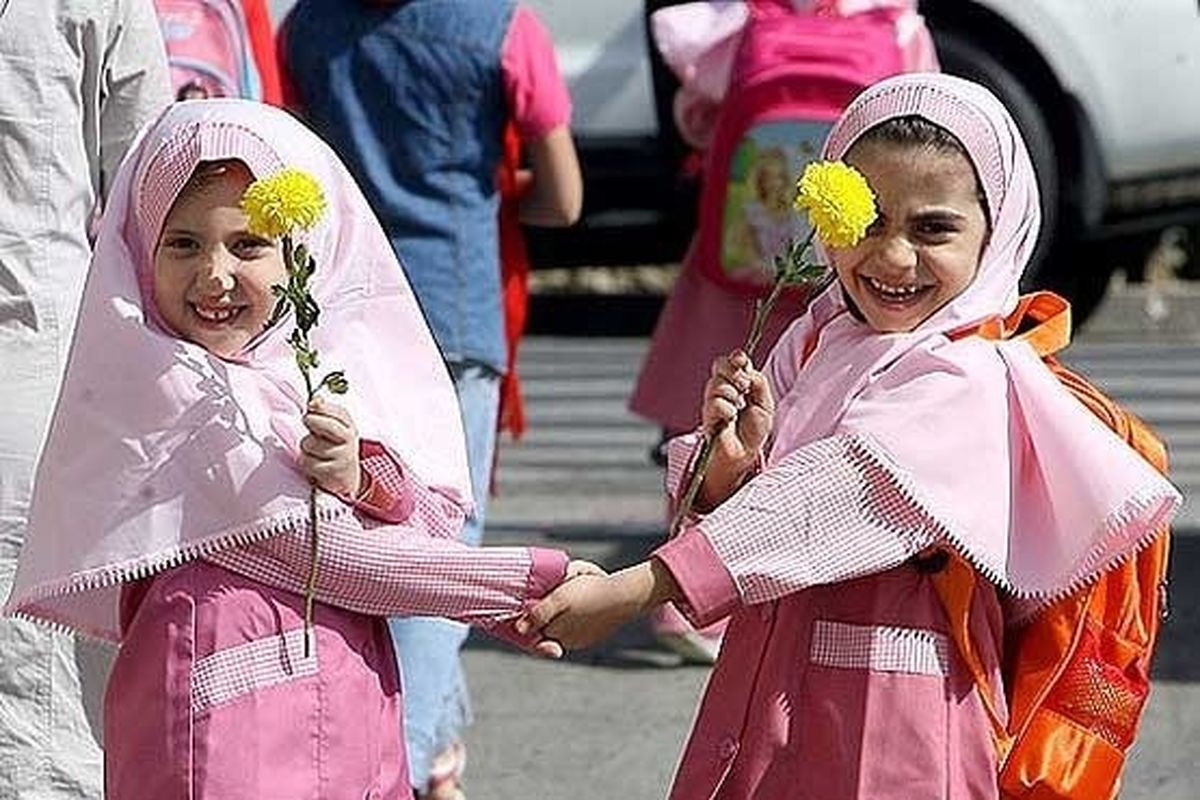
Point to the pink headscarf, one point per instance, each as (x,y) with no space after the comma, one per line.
(159,451)
(983,439)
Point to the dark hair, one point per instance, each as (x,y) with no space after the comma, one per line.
(918,132)
(207,173)
(914,131)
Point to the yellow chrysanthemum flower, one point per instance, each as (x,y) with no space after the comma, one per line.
(839,202)
(282,203)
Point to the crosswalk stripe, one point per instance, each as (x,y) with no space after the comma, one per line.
(585,458)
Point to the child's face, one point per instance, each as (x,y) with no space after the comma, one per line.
(924,249)
(212,277)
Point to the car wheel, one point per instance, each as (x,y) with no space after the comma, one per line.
(1058,261)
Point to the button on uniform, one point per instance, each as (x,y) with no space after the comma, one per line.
(727,747)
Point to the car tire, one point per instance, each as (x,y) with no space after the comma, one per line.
(1058,258)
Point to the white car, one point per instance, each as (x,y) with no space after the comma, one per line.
(1106,92)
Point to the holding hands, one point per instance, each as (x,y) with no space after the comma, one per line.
(329,453)
(588,607)
(738,411)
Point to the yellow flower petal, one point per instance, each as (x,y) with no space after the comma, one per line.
(839,202)
(282,203)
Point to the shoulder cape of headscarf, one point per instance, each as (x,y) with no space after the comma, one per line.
(159,451)
(1013,471)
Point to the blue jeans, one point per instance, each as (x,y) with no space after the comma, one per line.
(436,705)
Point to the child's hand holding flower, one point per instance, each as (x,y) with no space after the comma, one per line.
(329,453)
(278,207)
(738,409)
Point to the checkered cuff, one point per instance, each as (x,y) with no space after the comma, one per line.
(547,570)
(682,452)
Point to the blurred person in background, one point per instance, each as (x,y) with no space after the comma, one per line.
(415,96)
(220,48)
(77,81)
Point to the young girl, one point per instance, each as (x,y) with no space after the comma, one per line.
(171,502)
(877,433)
(703,43)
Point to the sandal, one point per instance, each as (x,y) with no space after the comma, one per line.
(672,631)
(446,774)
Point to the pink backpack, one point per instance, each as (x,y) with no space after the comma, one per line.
(208,48)
(792,75)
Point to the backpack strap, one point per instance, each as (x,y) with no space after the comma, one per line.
(1052,315)
(955,587)
(1043,319)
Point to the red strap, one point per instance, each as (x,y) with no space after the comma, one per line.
(514,277)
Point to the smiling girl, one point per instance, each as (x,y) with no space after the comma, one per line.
(171,504)
(878,438)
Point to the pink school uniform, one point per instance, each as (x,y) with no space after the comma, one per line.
(170,515)
(838,678)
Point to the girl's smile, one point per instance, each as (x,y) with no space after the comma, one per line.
(212,277)
(899,296)
(924,248)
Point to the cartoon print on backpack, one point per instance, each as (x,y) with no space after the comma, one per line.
(208,49)
(759,218)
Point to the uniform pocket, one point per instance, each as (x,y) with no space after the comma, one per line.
(875,713)
(880,648)
(227,675)
(258,719)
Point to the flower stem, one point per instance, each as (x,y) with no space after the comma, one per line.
(693,487)
(310,588)
(762,312)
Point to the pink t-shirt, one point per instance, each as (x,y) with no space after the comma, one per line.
(537,96)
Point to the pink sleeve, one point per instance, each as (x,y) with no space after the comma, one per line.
(413,567)
(681,451)
(831,510)
(537,96)
(386,495)
(709,591)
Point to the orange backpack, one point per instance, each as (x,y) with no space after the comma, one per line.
(1077,676)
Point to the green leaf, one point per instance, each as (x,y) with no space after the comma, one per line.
(301,266)
(336,382)
(306,314)
(306,358)
(278,312)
